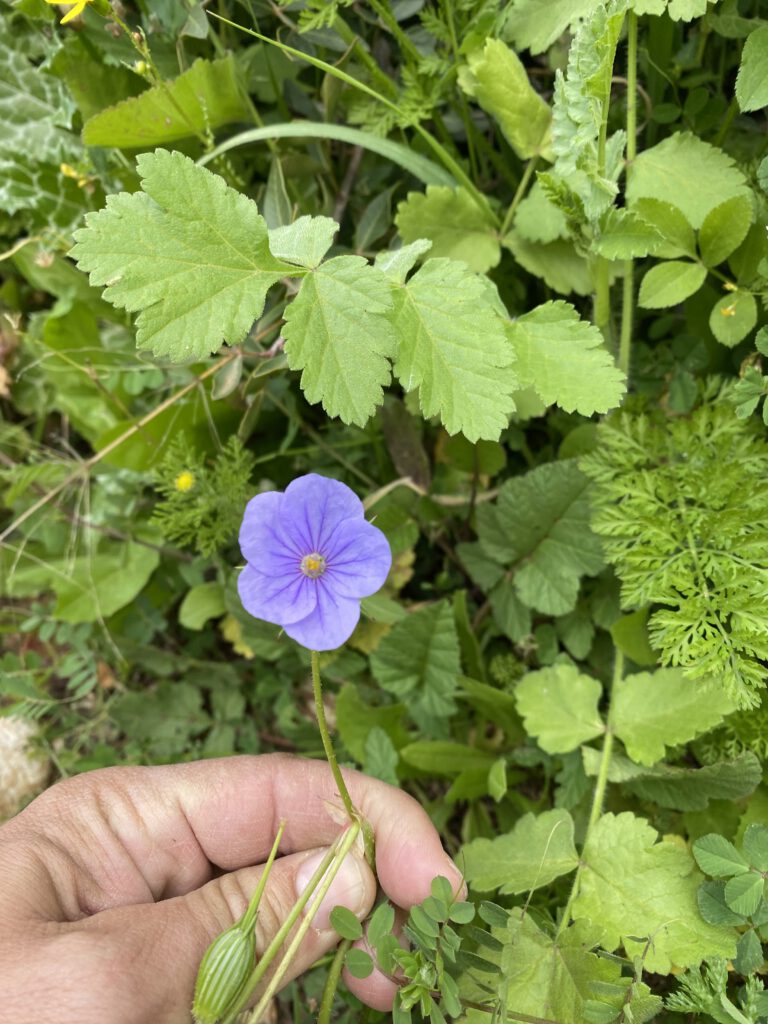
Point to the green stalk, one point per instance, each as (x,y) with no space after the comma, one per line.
(628,290)
(332,983)
(347,842)
(354,41)
(330,753)
(598,797)
(520,191)
(249,918)
(437,148)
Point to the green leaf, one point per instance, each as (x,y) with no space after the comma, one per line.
(381,758)
(743,892)
(451,219)
(497,779)
(664,172)
(625,235)
(419,659)
(453,348)
(678,237)
(304,242)
(359,963)
(539,526)
(445,758)
(749,953)
(381,924)
(652,711)
(537,851)
(559,707)
(717,856)
(755,846)
(556,262)
(462,912)
(90,588)
(630,635)
(344,922)
(497,79)
(733,317)
(539,220)
(188,251)
(667,284)
(535,24)
(712,905)
(202,603)
(564,359)
(338,333)
(41,194)
(724,229)
(355,720)
(206,96)
(752,79)
(638,889)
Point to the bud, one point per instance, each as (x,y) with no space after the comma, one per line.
(224,970)
(141,67)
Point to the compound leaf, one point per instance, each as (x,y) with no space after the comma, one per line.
(188,251)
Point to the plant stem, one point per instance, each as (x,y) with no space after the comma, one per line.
(332,983)
(598,797)
(520,191)
(628,290)
(249,918)
(317,688)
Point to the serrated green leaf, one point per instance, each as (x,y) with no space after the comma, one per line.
(564,359)
(652,711)
(724,229)
(717,856)
(664,172)
(539,220)
(556,262)
(744,892)
(339,335)
(496,77)
(188,251)
(635,887)
(419,659)
(304,242)
(539,526)
(453,348)
(381,758)
(733,317)
(559,707)
(752,79)
(625,235)
(669,283)
(537,851)
(398,263)
(535,24)
(457,227)
(678,238)
(204,97)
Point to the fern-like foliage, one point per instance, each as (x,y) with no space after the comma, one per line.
(682,507)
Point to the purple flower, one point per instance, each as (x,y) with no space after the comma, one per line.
(311,557)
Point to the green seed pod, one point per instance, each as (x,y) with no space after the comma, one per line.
(224,969)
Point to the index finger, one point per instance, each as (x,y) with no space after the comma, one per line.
(141,834)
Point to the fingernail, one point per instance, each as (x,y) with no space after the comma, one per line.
(455,877)
(346,890)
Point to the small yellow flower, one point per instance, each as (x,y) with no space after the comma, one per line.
(71,172)
(728,310)
(78,6)
(185,481)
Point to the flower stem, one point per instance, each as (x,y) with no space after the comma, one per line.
(332,983)
(530,167)
(628,290)
(317,688)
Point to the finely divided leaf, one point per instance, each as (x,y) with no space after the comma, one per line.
(643,894)
(188,251)
(655,710)
(338,333)
(559,707)
(564,359)
(538,850)
(452,347)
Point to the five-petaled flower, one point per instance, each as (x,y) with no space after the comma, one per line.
(311,557)
(78,6)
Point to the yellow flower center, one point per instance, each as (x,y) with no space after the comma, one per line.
(185,481)
(313,565)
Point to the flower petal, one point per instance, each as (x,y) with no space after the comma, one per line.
(263,536)
(359,559)
(281,599)
(331,623)
(314,505)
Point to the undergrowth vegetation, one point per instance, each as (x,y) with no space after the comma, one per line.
(501,267)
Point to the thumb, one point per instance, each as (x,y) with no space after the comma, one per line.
(161,945)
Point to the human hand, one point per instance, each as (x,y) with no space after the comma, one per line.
(114,883)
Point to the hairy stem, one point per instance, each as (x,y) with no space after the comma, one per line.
(628,291)
(332,983)
(520,191)
(330,753)
(598,798)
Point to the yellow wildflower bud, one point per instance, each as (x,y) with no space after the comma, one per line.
(223,972)
(185,481)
